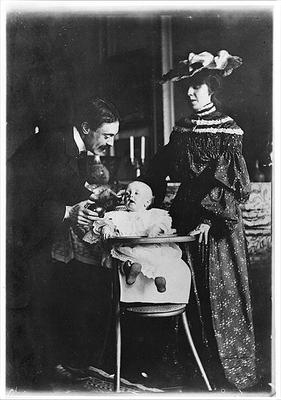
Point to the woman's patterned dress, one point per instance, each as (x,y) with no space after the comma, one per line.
(205,155)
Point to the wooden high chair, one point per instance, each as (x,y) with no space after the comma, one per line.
(147,310)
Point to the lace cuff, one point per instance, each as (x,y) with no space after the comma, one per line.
(94,235)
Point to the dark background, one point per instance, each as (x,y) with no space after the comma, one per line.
(54,61)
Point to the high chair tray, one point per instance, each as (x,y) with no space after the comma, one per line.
(151,240)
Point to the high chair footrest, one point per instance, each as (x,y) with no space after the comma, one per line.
(150,308)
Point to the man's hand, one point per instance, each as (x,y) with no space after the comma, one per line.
(80,215)
(201,230)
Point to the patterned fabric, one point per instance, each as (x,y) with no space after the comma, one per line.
(256,214)
(231,307)
(94,380)
(69,246)
(205,155)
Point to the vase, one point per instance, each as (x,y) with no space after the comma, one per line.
(97,172)
(258,175)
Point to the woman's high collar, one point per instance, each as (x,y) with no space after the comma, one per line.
(207,109)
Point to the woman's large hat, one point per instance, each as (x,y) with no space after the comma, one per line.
(223,63)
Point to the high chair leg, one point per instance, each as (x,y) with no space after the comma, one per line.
(118,352)
(116,313)
(194,351)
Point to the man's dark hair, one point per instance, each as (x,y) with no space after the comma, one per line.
(96,112)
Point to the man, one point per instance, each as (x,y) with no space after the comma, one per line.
(66,289)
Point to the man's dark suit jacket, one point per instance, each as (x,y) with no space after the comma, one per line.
(59,313)
(42,178)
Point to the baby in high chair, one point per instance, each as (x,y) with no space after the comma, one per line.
(136,219)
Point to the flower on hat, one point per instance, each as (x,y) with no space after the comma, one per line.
(227,63)
(199,61)
(223,62)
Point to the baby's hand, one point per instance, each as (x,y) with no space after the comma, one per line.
(154,230)
(107,232)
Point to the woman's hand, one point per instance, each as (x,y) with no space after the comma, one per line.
(201,230)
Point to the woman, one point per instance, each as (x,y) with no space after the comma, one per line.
(205,155)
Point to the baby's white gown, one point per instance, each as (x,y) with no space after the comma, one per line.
(156,259)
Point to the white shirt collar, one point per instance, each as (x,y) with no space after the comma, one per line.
(78,140)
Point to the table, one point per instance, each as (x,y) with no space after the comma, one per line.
(256,214)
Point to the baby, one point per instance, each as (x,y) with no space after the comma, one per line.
(136,219)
